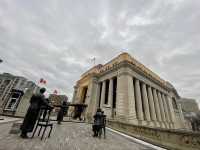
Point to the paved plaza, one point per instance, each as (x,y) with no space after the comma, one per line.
(68,136)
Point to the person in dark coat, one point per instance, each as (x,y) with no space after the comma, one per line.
(36,102)
(104,123)
(97,122)
(62,112)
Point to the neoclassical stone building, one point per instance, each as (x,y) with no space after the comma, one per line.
(128,91)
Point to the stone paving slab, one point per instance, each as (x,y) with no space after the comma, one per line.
(68,136)
(5,119)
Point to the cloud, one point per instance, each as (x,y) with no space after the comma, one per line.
(57,39)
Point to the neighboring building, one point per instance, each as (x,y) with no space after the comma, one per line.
(55,99)
(190,111)
(128,91)
(12,89)
(189,105)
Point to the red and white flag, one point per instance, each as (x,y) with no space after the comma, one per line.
(42,81)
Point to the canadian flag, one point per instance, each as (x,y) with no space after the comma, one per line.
(43,81)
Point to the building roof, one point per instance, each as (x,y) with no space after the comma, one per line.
(125,57)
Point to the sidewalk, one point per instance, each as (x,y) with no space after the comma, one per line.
(5,119)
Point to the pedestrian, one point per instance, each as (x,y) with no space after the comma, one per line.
(104,124)
(97,123)
(62,112)
(36,102)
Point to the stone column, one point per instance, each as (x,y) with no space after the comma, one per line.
(162,109)
(138,100)
(103,92)
(171,111)
(157,107)
(166,110)
(145,102)
(110,93)
(98,95)
(151,105)
(182,123)
(91,98)
(131,101)
(122,97)
(75,94)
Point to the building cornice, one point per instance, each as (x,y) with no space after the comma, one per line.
(125,59)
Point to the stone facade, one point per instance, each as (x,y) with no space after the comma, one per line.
(12,90)
(128,91)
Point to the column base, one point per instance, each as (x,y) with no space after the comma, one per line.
(166,125)
(171,125)
(156,124)
(150,123)
(132,120)
(162,125)
(142,123)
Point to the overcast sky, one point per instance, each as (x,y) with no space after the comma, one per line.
(56,39)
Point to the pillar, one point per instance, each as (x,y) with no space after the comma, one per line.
(92,98)
(110,93)
(151,105)
(145,102)
(171,111)
(122,97)
(131,100)
(162,109)
(138,100)
(103,92)
(74,94)
(157,107)
(166,110)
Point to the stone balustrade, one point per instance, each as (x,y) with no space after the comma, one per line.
(166,138)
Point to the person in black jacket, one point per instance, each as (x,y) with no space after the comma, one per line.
(97,123)
(36,102)
(63,110)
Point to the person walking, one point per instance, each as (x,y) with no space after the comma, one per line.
(103,124)
(97,123)
(36,102)
(62,112)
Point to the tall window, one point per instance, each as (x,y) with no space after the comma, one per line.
(114,91)
(13,101)
(100,84)
(107,90)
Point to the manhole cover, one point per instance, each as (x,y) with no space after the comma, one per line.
(15,129)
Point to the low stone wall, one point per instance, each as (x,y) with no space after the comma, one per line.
(169,139)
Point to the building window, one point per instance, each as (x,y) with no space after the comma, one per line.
(13,101)
(114,91)
(106,92)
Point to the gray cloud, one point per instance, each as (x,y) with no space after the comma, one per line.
(56,39)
